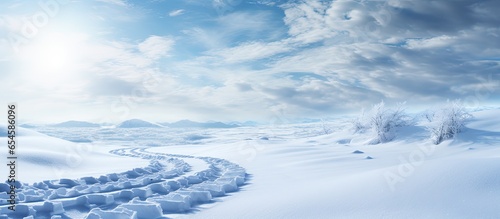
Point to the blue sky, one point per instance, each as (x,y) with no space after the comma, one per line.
(165,60)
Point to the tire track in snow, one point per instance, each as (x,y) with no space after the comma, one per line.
(166,185)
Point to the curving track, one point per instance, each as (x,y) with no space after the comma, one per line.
(167,185)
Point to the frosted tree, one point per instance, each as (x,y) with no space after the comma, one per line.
(447,121)
(382,121)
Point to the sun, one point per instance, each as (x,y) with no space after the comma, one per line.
(51,58)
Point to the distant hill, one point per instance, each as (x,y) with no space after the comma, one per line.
(78,124)
(137,123)
(28,126)
(192,124)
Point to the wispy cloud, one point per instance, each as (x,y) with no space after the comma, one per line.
(176,13)
(251,51)
(115,2)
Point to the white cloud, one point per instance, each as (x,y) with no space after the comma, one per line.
(431,43)
(306,22)
(176,13)
(156,47)
(399,49)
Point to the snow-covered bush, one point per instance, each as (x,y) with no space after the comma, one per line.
(360,124)
(325,129)
(446,122)
(385,120)
(382,121)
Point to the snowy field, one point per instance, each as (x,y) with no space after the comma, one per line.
(274,171)
(250,109)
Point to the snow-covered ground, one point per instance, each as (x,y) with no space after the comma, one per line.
(279,171)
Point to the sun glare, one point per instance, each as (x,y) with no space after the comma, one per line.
(51,58)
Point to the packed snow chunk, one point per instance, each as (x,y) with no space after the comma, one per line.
(125,185)
(183,181)
(131,174)
(150,179)
(29,217)
(239,180)
(68,182)
(51,185)
(160,188)
(30,192)
(50,207)
(81,187)
(153,168)
(89,180)
(61,192)
(4,187)
(108,188)
(144,209)
(100,199)
(197,197)
(56,217)
(113,177)
(79,201)
(4,216)
(194,179)
(235,171)
(33,198)
(21,197)
(4,195)
(214,189)
(125,194)
(92,189)
(23,210)
(229,184)
(142,193)
(117,213)
(205,175)
(237,177)
(4,198)
(169,174)
(174,185)
(52,194)
(103,179)
(41,185)
(72,193)
(173,202)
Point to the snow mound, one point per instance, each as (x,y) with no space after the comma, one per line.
(76,124)
(20,131)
